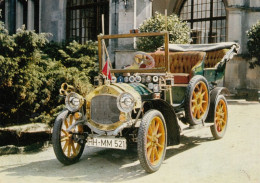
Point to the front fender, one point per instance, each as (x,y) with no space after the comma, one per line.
(173,129)
(65,113)
(62,115)
(58,120)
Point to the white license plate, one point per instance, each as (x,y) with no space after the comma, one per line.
(107,142)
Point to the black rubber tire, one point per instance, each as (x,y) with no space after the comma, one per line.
(56,134)
(142,141)
(215,133)
(188,100)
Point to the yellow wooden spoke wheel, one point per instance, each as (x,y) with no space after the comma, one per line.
(70,148)
(220,117)
(152,141)
(197,100)
(200,100)
(66,147)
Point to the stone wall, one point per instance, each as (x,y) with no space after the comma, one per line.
(239,76)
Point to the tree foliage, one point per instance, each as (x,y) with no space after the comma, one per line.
(31,75)
(179,32)
(253,44)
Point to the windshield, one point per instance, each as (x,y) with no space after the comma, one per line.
(135,52)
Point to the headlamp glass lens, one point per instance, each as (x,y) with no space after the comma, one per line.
(73,101)
(125,102)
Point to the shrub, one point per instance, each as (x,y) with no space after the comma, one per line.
(7,43)
(253,44)
(20,74)
(84,57)
(30,79)
(51,50)
(179,32)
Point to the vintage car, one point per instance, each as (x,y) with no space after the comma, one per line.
(143,97)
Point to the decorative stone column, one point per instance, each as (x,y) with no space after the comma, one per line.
(53,18)
(19,15)
(30,15)
(234,18)
(10,16)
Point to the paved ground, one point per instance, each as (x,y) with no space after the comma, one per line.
(235,158)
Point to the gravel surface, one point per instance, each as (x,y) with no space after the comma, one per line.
(198,159)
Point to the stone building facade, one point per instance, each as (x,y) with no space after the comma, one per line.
(210,20)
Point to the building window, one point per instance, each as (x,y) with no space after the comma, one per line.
(84,19)
(207,19)
(2,10)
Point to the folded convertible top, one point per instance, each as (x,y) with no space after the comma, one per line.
(204,47)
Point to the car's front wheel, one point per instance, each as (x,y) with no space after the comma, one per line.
(65,145)
(152,141)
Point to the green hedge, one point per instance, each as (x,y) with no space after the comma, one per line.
(32,70)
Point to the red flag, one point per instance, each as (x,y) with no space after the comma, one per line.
(106,70)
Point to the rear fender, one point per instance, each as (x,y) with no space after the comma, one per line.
(213,97)
(173,129)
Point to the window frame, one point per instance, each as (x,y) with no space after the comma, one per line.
(97,6)
(210,19)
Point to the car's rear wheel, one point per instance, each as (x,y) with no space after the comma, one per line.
(218,130)
(152,141)
(65,145)
(197,100)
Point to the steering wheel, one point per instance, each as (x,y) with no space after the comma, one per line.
(143,60)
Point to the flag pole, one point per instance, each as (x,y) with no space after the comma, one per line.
(166,20)
(105,52)
(104,46)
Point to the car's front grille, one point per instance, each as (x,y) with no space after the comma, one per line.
(104,109)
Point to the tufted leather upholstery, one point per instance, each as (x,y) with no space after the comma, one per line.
(184,62)
(213,57)
(180,62)
(158,58)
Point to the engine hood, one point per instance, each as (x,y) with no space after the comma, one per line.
(136,89)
